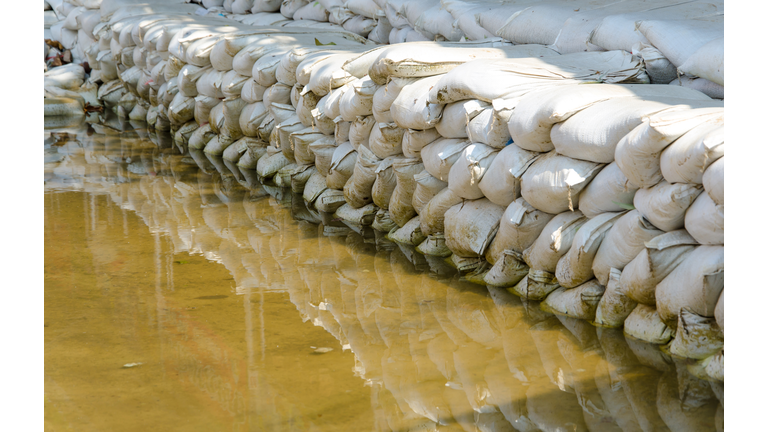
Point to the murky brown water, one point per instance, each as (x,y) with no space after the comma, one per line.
(230,294)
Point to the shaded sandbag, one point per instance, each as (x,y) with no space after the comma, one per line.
(361,216)
(323,151)
(714,181)
(705,221)
(358,189)
(501,182)
(471,226)
(300,142)
(341,132)
(709,88)
(382,222)
(664,204)
(677,413)
(519,227)
(720,311)
(385,183)
(575,267)
(386,140)
(200,137)
(440,156)
(714,366)
(236,150)
(609,191)
(426,188)
(579,302)
(314,187)
(508,270)
(276,94)
(360,132)
(415,140)
(614,306)
(622,243)
(697,337)
(281,135)
(400,204)
(342,166)
(638,153)
(251,118)
(468,170)
(554,241)
(553,182)
(536,285)
(306,104)
(409,233)
(686,159)
(490,126)
(270,163)
(299,177)
(644,323)
(434,245)
(433,214)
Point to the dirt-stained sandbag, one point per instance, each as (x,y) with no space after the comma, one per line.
(471,225)
(643,323)
(575,267)
(519,227)
(614,306)
(579,302)
(554,241)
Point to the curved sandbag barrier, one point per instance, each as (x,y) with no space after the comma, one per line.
(572,156)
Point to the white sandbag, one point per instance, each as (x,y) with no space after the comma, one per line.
(469,169)
(312,11)
(288,68)
(358,101)
(386,140)
(660,256)
(412,60)
(232,109)
(664,205)
(283,131)
(410,109)
(697,337)
(575,267)
(534,115)
(276,94)
(209,83)
(686,159)
(342,166)
(622,243)
(456,116)
(252,92)
(580,302)
(182,109)
(357,191)
(385,183)
(360,132)
(251,118)
(300,142)
(714,181)
(489,79)
(519,227)
(439,21)
(678,40)
(359,25)
(553,182)
(713,90)
(415,140)
(366,8)
(400,204)
(265,68)
(426,188)
(471,226)
(327,74)
(232,84)
(695,284)
(440,156)
(433,214)
(644,324)
(289,7)
(490,126)
(266,6)
(554,241)
(615,306)
(380,33)
(384,97)
(593,133)
(638,153)
(502,181)
(69,76)
(705,221)
(609,191)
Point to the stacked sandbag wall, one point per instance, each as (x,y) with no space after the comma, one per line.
(578,178)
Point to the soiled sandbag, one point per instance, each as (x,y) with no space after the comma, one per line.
(232,84)
(341,133)
(440,156)
(182,109)
(686,159)
(357,191)
(409,233)
(467,172)
(426,188)
(382,222)
(643,323)
(664,204)
(502,180)
(705,221)
(266,127)
(714,181)
(300,142)
(384,97)
(535,114)
(661,255)
(720,311)
(697,337)
(342,166)
(251,118)
(329,201)
(614,306)
(400,204)
(314,187)
(695,284)
(575,267)
(240,147)
(386,140)
(323,151)
(360,132)
(362,216)
(200,137)
(554,241)
(579,302)
(307,102)
(62,106)
(609,191)
(638,153)
(489,79)
(519,227)
(508,271)
(415,140)
(433,214)
(276,94)
(471,226)
(622,243)
(410,109)
(385,183)
(553,182)
(456,116)
(271,163)
(283,131)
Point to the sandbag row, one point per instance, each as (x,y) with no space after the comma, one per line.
(568,179)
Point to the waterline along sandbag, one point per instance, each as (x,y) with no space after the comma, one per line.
(572,154)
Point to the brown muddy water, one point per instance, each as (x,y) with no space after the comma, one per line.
(182,296)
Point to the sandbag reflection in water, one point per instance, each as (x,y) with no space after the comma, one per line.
(437,351)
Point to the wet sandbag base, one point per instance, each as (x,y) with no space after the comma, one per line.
(418,142)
